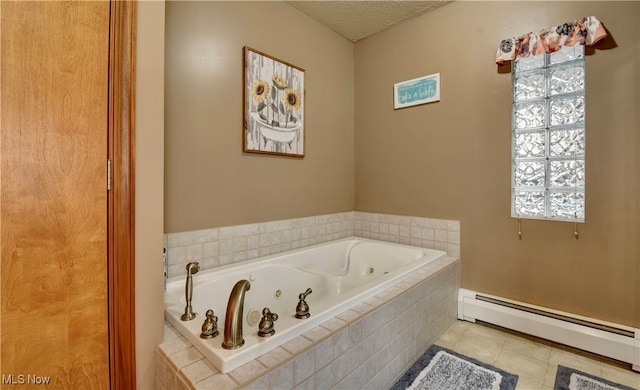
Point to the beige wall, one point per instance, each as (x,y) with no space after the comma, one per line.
(452,159)
(209,181)
(149,297)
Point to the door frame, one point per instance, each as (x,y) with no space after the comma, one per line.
(120,199)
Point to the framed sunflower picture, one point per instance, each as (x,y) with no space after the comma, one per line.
(273,105)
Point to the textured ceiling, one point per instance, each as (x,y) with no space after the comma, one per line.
(356,20)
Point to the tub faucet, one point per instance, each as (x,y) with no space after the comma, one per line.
(233,320)
(192,268)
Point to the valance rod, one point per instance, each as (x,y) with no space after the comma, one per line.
(585,31)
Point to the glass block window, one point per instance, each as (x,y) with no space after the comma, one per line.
(548,136)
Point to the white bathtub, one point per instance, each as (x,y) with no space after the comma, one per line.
(341,273)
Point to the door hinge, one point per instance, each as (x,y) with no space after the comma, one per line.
(109,175)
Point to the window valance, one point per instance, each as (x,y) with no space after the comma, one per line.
(585,31)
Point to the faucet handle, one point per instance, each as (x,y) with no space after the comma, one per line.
(266,326)
(302,310)
(210,326)
(303,295)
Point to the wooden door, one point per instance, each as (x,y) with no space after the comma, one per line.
(53,180)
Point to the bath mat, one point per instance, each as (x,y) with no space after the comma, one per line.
(442,369)
(571,379)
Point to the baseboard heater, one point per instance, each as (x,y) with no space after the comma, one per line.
(615,341)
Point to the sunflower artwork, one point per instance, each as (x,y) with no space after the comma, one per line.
(273,105)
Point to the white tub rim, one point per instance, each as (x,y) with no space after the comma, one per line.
(236,358)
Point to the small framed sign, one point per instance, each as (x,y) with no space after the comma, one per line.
(416,91)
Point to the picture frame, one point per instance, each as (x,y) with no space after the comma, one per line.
(421,90)
(274,105)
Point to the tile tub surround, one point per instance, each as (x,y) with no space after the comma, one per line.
(440,234)
(368,346)
(233,244)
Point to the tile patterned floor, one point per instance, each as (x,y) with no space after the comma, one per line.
(535,361)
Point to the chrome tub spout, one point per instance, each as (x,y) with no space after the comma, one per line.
(233,320)
(192,268)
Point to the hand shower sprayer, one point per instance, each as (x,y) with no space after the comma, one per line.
(192,268)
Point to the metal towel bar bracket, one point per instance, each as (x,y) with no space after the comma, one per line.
(576,234)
